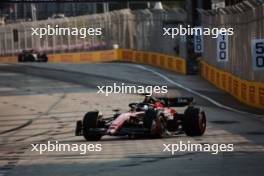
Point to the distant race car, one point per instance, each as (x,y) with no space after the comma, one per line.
(154,117)
(32,56)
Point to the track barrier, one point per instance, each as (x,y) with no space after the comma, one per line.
(248,92)
(172,63)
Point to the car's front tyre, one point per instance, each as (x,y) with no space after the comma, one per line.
(90,120)
(20,58)
(156,123)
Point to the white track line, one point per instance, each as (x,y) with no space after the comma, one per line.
(196,93)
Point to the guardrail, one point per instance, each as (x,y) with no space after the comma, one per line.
(248,92)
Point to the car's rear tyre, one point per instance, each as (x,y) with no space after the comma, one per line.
(44,58)
(90,120)
(194,122)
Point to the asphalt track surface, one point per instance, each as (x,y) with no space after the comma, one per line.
(41,102)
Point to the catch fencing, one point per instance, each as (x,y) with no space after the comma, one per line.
(247,20)
(140,29)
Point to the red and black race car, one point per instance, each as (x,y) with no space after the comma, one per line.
(154,117)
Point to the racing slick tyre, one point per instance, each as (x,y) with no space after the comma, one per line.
(90,120)
(155,122)
(194,122)
(43,58)
(20,58)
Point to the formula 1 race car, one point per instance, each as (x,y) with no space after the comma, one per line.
(32,56)
(154,117)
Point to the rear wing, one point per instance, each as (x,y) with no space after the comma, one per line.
(177,101)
